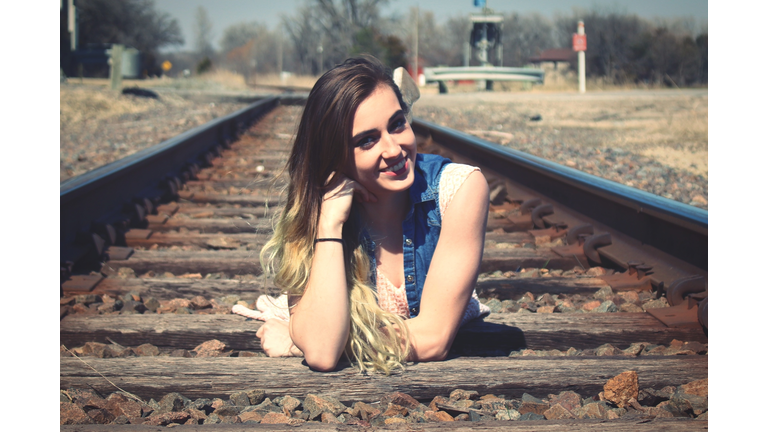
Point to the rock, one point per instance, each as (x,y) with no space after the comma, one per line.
(547,299)
(558,412)
(608,350)
(531,416)
(597,271)
(532,273)
(697,347)
(240,398)
(118,404)
(87,299)
(201,404)
(275,418)
(546,309)
(658,412)
(654,304)
(589,306)
(71,414)
(327,417)
(172,402)
(290,403)
(460,394)
(133,307)
(151,304)
(688,403)
(438,416)
(401,399)
(96,349)
(365,411)
(212,419)
(567,399)
(531,404)
(508,414)
(227,411)
(181,353)
(630,308)
(146,350)
(606,307)
(394,409)
(196,415)
(251,416)
(494,305)
(318,405)
(630,297)
(564,305)
(439,400)
(475,415)
(594,410)
(199,302)
(167,418)
(696,388)
(394,420)
(211,348)
(621,388)
(256,396)
(603,293)
(86,398)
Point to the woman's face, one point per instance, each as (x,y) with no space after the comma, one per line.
(383,144)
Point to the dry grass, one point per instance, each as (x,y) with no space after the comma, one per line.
(78,103)
(305,81)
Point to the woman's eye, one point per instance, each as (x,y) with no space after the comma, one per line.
(366,142)
(398,125)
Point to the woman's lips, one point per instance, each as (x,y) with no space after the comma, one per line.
(397,169)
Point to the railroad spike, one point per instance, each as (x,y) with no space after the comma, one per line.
(683,287)
(528,205)
(538,213)
(594,242)
(573,234)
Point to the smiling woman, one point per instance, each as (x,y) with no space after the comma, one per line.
(378,248)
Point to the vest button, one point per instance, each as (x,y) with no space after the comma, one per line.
(414,311)
(409,278)
(408,242)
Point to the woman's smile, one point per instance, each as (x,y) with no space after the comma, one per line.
(397,169)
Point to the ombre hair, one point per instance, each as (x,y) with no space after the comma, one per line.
(378,339)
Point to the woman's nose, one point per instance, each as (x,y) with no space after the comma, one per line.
(391,146)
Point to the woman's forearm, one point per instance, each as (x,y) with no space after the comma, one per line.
(319,323)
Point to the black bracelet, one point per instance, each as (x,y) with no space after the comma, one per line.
(330,240)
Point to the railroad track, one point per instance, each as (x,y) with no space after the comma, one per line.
(158,247)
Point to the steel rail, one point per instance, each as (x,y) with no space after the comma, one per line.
(674,228)
(101,196)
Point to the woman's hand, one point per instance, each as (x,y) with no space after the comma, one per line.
(337,203)
(275,339)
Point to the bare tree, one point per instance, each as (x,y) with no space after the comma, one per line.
(203,33)
(134,23)
(526,36)
(338,26)
(250,47)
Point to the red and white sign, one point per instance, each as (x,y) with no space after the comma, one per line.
(579,42)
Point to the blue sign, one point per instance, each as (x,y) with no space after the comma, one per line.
(480,3)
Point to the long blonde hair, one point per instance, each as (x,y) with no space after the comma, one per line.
(378,339)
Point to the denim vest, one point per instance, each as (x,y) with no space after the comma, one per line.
(421,228)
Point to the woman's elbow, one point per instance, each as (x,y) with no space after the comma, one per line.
(321,363)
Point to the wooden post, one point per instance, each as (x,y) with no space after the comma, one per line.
(116,66)
(416,46)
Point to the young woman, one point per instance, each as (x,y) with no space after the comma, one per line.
(378,248)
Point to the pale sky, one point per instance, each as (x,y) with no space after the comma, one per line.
(224,13)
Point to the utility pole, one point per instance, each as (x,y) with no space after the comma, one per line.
(320,50)
(279,51)
(416,47)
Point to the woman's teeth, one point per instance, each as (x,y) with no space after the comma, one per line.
(397,167)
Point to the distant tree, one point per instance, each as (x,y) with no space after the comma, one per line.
(339,26)
(203,33)
(133,23)
(525,36)
(250,47)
